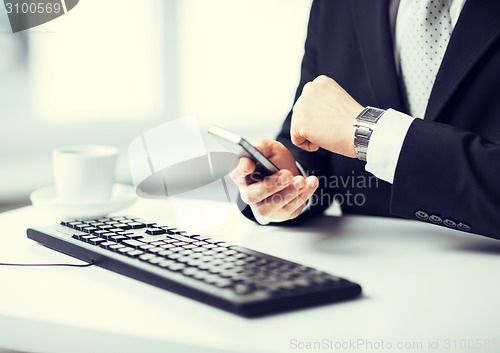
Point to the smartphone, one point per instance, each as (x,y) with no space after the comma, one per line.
(238,145)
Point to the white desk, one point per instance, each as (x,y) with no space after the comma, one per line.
(420,283)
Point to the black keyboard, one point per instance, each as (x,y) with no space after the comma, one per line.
(243,281)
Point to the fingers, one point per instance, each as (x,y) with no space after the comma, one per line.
(300,123)
(259,191)
(244,168)
(289,202)
(303,143)
(282,195)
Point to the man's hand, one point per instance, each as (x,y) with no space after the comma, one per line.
(281,196)
(323,117)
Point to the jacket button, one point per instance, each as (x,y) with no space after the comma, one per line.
(463,226)
(422,215)
(436,219)
(450,223)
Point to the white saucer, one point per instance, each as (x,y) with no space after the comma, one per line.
(122,196)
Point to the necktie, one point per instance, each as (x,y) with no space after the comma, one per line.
(421,50)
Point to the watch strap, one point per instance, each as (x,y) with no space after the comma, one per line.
(365,123)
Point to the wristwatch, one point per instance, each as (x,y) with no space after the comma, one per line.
(364,124)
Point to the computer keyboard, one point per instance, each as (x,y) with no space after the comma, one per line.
(237,279)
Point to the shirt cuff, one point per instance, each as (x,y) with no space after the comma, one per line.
(265,220)
(385,144)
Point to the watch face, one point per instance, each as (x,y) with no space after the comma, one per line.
(372,115)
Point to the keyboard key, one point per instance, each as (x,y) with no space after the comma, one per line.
(80,226)
(136,225)
(155,260)
(199,249)
(153,239)
(118,238)
(86,238)
(182,238)
(177,249)
(170,241)
(201,275)
(96,241)
(135,253)
(107,235)
(166,253)
(124,226)
(155,231)
(96,224)
(199,243)
(176,267)
(116,247)
(168,229)
(180,243)
(166,263)
(189,271)
(223,283)
(146,246)
(157,243)
(242,289)
(183,259)
(203,265)
(194,263)
(125,249)
(219,249)
(146,257)
(200,238)
(209,246)
(155,250)
(107,244)
(132,243)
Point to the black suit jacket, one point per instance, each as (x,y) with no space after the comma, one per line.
(448,172)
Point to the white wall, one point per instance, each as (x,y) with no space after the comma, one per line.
(235,63)
(240,61)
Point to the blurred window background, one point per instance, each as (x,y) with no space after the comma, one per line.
(109,70)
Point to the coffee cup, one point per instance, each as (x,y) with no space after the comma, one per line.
(84,173)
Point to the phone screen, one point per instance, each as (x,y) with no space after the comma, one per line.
(238,145)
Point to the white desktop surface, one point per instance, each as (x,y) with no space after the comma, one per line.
(420,282)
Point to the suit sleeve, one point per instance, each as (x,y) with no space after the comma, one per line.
(449,177)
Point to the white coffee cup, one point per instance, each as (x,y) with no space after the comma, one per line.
(84,173)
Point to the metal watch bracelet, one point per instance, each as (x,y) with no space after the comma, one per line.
(364,124)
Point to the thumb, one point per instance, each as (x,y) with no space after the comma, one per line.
(303,143)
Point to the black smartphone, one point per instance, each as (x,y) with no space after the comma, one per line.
(238,145)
